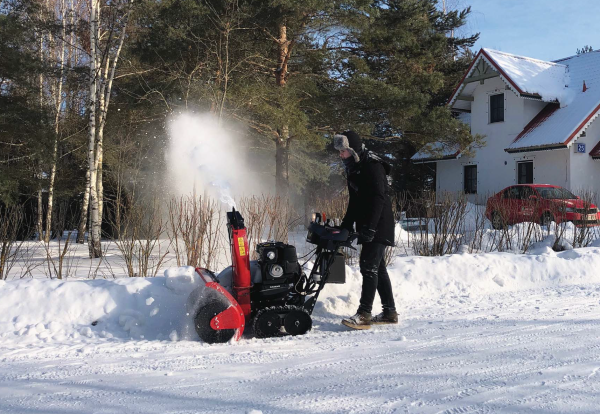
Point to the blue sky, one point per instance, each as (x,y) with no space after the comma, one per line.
(543,29)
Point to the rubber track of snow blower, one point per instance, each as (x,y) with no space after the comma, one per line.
(268,322)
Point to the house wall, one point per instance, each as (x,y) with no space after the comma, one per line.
(549,167)
(449,177)
(584,170)
(496,169)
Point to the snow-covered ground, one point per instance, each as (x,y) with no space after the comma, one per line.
(489,332)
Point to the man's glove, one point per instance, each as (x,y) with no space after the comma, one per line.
(347,226)
(366,235)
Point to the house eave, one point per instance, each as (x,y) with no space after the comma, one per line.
(536,148)
(435,159)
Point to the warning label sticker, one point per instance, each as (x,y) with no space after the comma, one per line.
(242,247)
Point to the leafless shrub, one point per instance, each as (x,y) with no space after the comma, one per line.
(528,231)
(28,258)
(255,218)
(101,266)
(139,238)
(501,239)
(59,264)
(196,230)
(11,219)
(267,218)
(399,202)
(445,223)
(552,225)
(281,217)
(475,234)
(335,206)
(585,232)
(391,252)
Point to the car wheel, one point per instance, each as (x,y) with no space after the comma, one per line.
(497,221)
(546,219)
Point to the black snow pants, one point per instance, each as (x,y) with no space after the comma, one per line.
(375,278)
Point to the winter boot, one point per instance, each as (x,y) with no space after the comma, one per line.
(361,320)
(386,317)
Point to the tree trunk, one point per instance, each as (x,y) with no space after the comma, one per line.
(51,191)
(107,78)
(99,184)
(282,143)
(40,207)
(57,109)
(282,158)
(84,210)
(226,74)
(95,247)
(40,216)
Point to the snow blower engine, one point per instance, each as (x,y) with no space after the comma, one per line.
(272,294)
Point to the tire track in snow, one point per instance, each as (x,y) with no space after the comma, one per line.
(464,361)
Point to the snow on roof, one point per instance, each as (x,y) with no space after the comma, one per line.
(563,126)
(438,151)
(533,76)
(527,77)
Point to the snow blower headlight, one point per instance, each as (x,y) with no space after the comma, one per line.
(276,270)
(271,255)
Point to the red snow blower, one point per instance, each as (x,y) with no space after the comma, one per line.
(273,295)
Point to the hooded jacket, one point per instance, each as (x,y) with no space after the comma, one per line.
(370,203)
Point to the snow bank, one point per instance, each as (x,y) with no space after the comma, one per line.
(151,308)
(420,279)
(155,308)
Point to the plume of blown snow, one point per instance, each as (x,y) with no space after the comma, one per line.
(203,157)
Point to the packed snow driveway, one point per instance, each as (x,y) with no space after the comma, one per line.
(524,351)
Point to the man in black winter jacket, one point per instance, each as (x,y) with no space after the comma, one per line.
(371,209)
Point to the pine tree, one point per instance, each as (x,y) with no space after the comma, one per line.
(585,49)
(399,66)
(24,123)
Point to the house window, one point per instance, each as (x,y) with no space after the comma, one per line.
(497,108)
(470,179)
(525,172)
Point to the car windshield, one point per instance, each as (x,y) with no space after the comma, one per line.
(555,192)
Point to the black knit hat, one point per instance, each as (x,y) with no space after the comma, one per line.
(349,140)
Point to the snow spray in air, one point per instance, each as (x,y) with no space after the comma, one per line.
(203,157)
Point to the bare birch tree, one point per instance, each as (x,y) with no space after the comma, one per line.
(58,103)
(104,55)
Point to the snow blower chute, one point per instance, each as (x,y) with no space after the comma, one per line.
(271,294)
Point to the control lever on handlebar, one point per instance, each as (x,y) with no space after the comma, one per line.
(348,243)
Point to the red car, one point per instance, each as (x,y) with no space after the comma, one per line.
(541,203)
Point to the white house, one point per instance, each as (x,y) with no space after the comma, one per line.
(540,123)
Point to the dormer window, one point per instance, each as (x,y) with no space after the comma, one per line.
(497,108)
